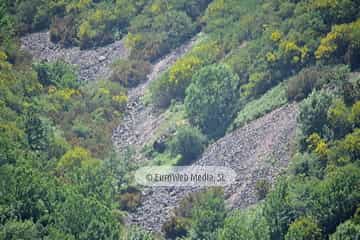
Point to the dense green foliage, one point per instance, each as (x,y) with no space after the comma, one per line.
(271,100)
(199,216)
(163,25)
(188,142)
(92,23)
(210,99)
(129,73)
(173,83)
(59,178)
(53,132)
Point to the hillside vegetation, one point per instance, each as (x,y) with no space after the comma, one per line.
(59,175)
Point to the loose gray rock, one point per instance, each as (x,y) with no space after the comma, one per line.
(260,150)
(91,63)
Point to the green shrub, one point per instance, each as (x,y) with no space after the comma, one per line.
(130,73)
(334,199)
(351,90)
(172,84)
(339,118)
(153,37)
(96,29)
(211,99)
(306,165)
(63,31)
(277,210)
(187,142)
(208,214)
(304,228)
(175,228)
(313,113)
(274,98)
(130,199)
(308,79)
(59,74)
(166,159)
(245,225)
(346,231)
(301,85)
(19,230)
(137,233)
(193,8)
(161,91)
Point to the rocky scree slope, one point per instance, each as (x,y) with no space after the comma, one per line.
(91,63)
(140,121)
(260,150)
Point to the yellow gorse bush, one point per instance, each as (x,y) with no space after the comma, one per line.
(67,93)
(276,36)
(120,99)
(184,68)
(318,145)
(342,34)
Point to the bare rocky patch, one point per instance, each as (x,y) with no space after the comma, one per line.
(140,122)
(260,150)
(91,63)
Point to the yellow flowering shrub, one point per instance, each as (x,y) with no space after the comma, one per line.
(133,40)
(120,99)
(3,63)
(318,145)
(67,93)
(290,50)
(183,69)
(327,45)
(343,34)
(76,157)
(103,91)
(216,6)
(276,36)
(271,57)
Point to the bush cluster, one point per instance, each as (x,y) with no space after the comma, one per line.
(187,142)
(130,73)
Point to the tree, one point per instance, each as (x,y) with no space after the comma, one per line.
(343,42)
(245,225)
(188,142)
(335,199)
(13,230)
(76,158)
(339,118)
(37,132)
(277,210)
(348,230)
(208,214)
(85,217)
(153,36)
(313,113)
(304,228)
(130,73)
(211,99)
(59,73)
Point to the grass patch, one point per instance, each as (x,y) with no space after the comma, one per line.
(271,100)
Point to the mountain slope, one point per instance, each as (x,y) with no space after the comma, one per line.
(258,151)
